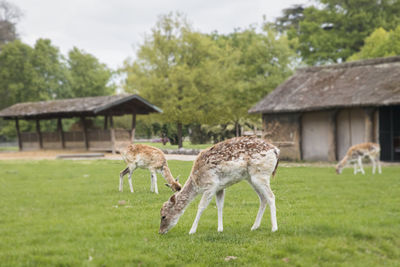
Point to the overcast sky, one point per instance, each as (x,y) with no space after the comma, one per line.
(111,30)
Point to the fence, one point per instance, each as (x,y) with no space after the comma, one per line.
(97,139)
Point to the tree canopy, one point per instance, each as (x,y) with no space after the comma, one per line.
(9,16)
(380,43)
(87,76)
(332,30)
(207,79)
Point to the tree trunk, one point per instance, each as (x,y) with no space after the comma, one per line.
(237,127)
(179,126)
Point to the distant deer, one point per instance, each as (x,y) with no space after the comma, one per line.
(356,153)
(224,164)
(147,157)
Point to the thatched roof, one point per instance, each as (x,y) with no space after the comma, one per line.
(76,107)
(374,82)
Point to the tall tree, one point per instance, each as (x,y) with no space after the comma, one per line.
(87,76)
(32,74)
(333,30)
(255,64)
(380,43)
(9,16)
(51,70)
(17,74)
(177,69)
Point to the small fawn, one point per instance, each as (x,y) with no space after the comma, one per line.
(147,157)
(356,153)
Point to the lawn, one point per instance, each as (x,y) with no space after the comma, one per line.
(66,213)
(8,148)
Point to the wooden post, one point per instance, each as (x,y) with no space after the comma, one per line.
(335,136)
(18,134)
(105,122)
(39,134)
(133,127)
(300,129)
(112,134)
(85,134)
(369,125)
(61,132)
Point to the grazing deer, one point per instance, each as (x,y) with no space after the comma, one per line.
(356,153)
(224,164)
(147,157)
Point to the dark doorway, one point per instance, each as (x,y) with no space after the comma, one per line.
(389,133)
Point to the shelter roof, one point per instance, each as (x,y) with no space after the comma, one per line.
(373,82)
(75,107)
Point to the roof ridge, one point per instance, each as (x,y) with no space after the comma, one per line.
(352,64)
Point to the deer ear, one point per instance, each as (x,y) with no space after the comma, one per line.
(177,178)
(168,185)
(172,199)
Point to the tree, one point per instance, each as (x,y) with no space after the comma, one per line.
(9,16)
(31,74)
(87,76)
(379,44)
(178,70)
(42,73)
(255,64)
(333,30)
(51,71)
(17,74)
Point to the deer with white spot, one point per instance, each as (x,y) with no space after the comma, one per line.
(147,157)
(356,153)
(224,164)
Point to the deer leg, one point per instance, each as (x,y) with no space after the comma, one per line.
(355,168)
(151,182)
(373,164)
(219,199)
(121,177)
(154,181)
(379,164)
(205,200)
(262,187)
(130,180)
(361,166)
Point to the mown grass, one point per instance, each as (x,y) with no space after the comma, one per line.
(66,213)
(8,148)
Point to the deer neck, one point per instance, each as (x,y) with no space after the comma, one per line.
(167,174)
(344,161)
(189,191)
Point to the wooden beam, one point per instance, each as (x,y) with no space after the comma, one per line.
(335,140)
(61,132)
(105,122)
(39,134)
(85,134)
(112,134)
(18,134)
(369,124)
(133,130)
(300,129)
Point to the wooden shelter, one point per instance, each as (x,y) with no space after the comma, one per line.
(89,139)
(319,112)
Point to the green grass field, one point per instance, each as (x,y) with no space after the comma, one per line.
(8,148)
(66,213)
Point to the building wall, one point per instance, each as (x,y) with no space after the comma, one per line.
(318,136)
(351,129)
(321,135)
(284,131)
